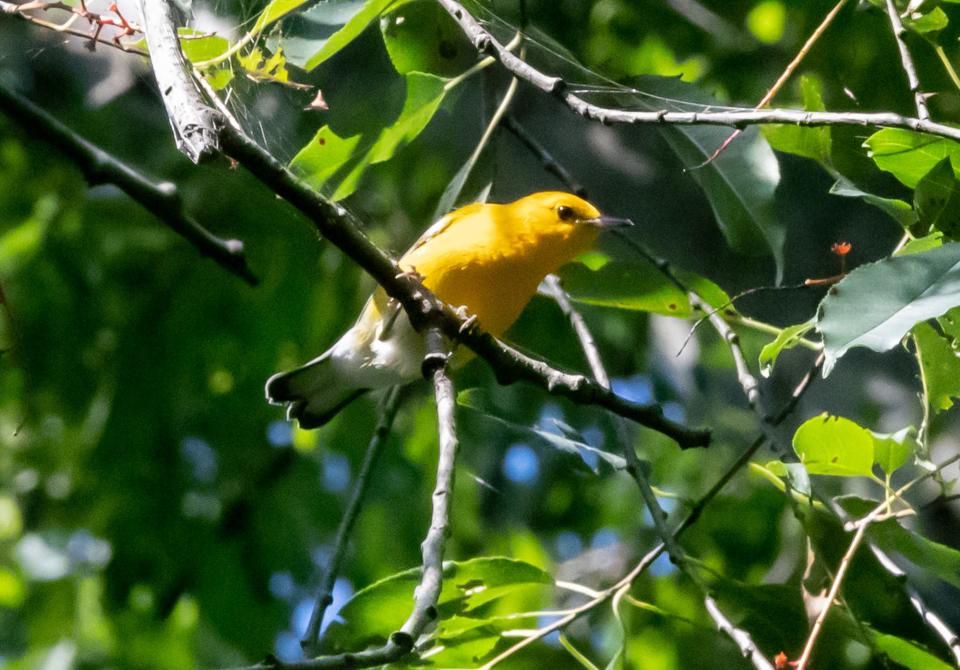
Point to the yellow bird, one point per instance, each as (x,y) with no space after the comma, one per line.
(487,258)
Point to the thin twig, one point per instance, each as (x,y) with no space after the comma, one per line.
(388,411)
(739,636)
(669,539)
(737,118)
(906,61)
(786,74)
(550,164)
(100,167)
(19,11)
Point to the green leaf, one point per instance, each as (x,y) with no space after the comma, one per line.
(635,285)
(638,286)
(739,185)
(379,609)
(788,338)
(906,653)
(891,451)
(329,161)
(940,367)
(928,24)
(833,445)
(897,209)
(937,200)
(198,49)
(877,304)
(261,67)
(351,30)
(921,244)
(932,557)
(422,37)
(273,12)
(814,143)
(907,155)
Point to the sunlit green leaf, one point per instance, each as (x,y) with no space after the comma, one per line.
(330,162)
(907,155)
(833,445)
(788,338)
(893,450)
(898,210)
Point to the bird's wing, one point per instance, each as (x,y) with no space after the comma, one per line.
(443,225)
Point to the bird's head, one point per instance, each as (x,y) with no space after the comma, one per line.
(564,216)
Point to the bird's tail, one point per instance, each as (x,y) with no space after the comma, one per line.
(313,393)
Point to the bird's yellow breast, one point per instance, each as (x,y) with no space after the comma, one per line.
(491,258)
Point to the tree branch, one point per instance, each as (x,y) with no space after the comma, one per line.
(336,224)
(550,164)
(899,32)
(388,411)
(100,167)
(195,124)
(740,118)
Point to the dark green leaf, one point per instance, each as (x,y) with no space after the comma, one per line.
(877,304)
(898,210)
(937,200)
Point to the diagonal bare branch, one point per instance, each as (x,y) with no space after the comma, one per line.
(100,167)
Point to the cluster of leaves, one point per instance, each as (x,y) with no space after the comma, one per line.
(154,513)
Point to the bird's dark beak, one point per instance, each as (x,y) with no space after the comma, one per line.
(608,222)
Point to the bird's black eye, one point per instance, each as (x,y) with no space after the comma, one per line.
(565,213)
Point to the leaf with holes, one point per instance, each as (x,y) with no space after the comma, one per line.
(833,445)
(877,304)
(331,162)
(940,365)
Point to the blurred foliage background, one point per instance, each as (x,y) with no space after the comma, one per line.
(155,512)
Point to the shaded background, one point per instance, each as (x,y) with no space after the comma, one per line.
(155,512)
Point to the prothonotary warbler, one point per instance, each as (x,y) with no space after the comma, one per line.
(487,258)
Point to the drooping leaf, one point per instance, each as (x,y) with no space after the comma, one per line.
(932,557)
(897,209)
(788,338)
(937,200)
(351,30)
(891,451)
(877,304)
(940,366)
(907,155)
(739,185)
(335,163)
(833,445)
